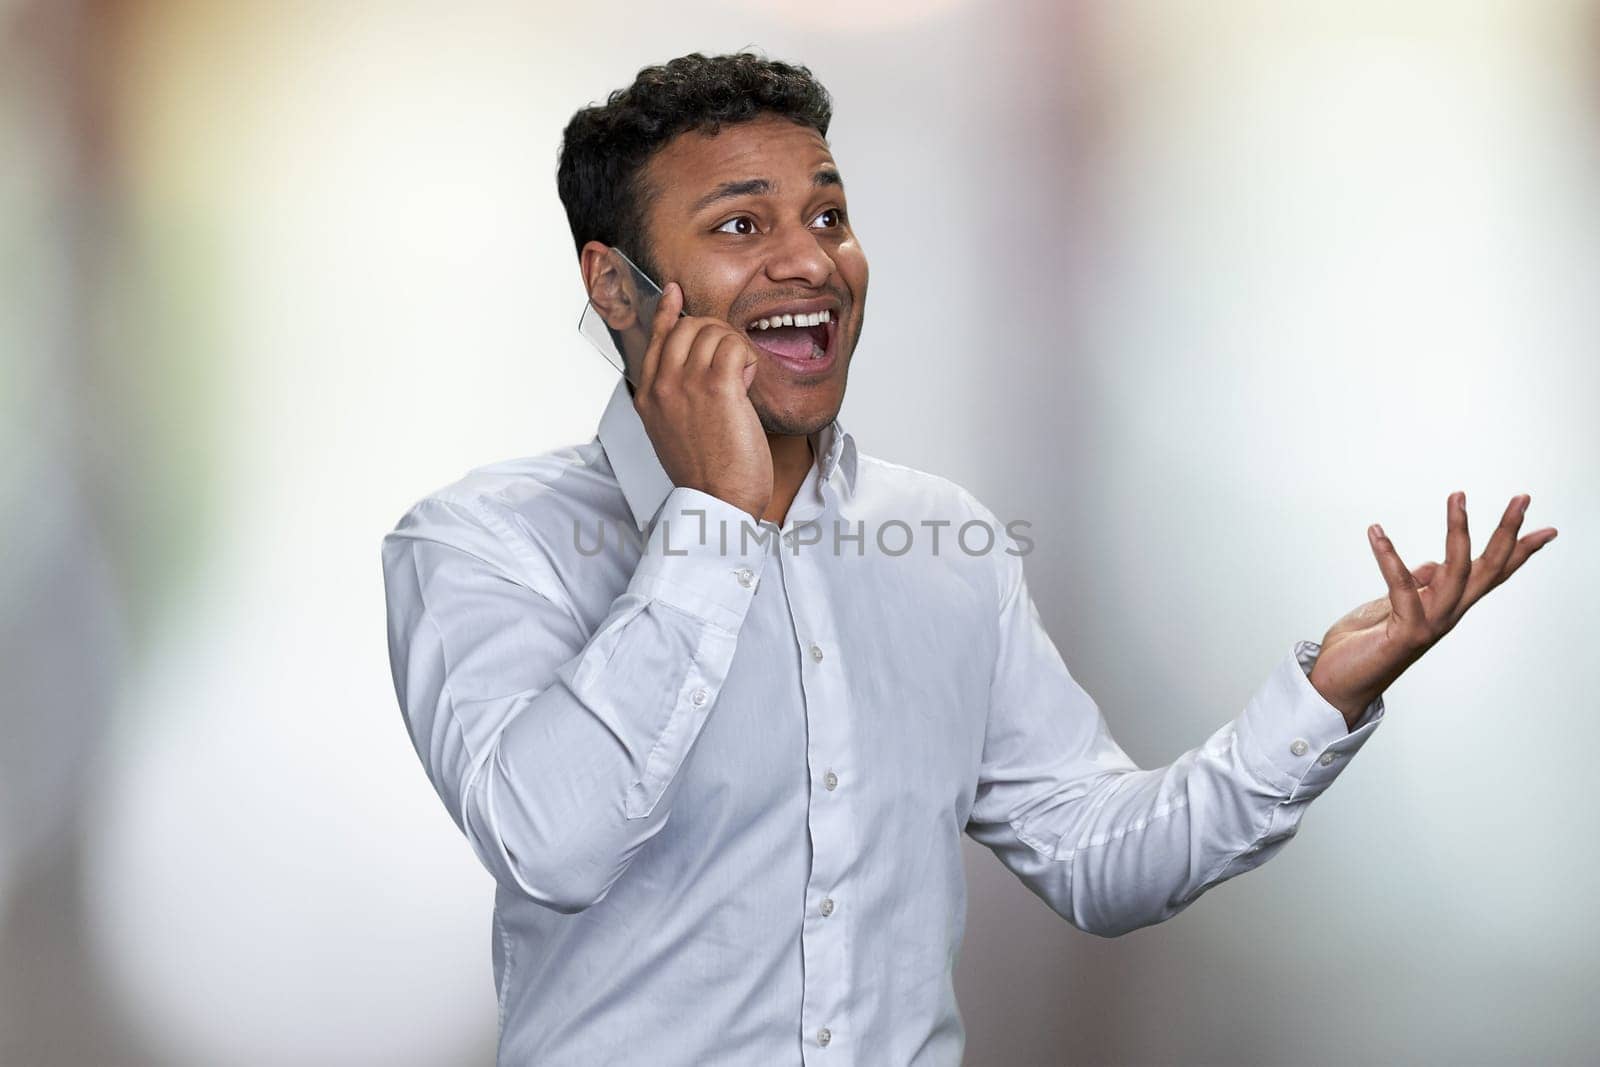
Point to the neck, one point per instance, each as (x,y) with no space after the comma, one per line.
(791,460)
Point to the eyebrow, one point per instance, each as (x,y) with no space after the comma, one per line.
(760,187)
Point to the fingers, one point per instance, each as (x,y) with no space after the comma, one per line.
(667,309)
(709,352)
(677,343)
(1403,597)
(738,362)
(685,352)
(705,354)
(697,361)
(730,359)
(1501,557)
(1527,547)
(1490,569)
(1449,585)
(718,358)
(1429,600)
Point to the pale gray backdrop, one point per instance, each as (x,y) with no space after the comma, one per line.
(1200,290)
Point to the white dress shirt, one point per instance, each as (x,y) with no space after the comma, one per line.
(722,786)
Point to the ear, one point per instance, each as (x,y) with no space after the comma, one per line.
(610,285)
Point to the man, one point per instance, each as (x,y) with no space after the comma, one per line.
(715,695)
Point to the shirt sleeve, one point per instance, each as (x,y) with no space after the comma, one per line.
(555,749)
(1112,847)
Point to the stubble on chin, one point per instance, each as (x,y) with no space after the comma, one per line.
(787,423)
(784,425)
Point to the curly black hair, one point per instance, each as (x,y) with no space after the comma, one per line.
(605,147)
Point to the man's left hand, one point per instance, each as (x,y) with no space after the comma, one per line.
(1369,648)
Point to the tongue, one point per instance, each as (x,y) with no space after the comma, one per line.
(792,342)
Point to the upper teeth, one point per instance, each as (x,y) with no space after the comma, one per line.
(816,318)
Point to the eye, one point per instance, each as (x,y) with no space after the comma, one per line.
(743,226)
(831,218)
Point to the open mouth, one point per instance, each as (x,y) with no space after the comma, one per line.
(802,340)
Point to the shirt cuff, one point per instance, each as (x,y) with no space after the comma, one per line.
(703,556)
(1293,738)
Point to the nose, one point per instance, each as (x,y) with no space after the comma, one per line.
(797,256)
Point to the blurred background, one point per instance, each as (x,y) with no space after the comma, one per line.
(1199,289)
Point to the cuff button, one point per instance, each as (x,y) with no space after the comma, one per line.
(1299,747)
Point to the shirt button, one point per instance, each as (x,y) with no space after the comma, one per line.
(699,697)
(1299,747)
(816,653)
(830,780)
(1326,758)
(824,1036)
(746,576)
(827,906)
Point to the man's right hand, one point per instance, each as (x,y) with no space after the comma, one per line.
(693,397)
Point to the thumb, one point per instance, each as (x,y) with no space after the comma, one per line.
(751,362)
(1403,596)
(667,309)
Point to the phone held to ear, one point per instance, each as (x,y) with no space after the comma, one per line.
(621,332)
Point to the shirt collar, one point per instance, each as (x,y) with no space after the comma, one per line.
(644,481)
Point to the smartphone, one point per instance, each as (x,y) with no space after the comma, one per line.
(636,295)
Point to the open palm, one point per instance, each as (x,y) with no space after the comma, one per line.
(1367,649)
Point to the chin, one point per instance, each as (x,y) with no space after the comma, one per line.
(796,420)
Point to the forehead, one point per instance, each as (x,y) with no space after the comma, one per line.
(784,153)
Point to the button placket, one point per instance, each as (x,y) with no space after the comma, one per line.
(824,935)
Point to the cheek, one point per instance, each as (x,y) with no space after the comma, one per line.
(714,287)
(852,264)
